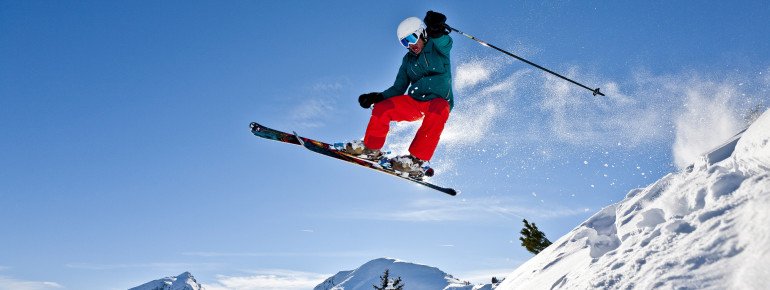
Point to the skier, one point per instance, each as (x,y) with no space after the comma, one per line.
(426,72)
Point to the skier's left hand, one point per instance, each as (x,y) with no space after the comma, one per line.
(436,24)
(367,100)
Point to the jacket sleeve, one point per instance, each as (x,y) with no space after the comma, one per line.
(443,44)
(400,85)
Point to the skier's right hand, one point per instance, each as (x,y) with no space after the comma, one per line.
(367,100)
(436,24)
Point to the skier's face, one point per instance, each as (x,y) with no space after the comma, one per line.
(417,47)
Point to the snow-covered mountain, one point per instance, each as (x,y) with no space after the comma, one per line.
(184,281)
(703,228)
(413,276)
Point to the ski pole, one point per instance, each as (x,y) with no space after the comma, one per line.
(594,91)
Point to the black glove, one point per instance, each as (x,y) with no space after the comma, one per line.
(367,100)
(436,24)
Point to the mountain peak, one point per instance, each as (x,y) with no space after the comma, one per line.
(184,281)
(414,276)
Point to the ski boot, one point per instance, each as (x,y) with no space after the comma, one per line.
(358,149)
(411,166)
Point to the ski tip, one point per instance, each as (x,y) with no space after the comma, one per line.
(451,192)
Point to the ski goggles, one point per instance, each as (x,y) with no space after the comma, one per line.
(409,39)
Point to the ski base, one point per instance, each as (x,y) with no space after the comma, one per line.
(330,151)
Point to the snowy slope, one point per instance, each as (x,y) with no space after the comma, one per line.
(703,228)
(184,281)
(413,276)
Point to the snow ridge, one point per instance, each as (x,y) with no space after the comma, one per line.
(184,281)
(702,228)
(414,276)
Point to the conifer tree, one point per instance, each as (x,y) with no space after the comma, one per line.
(533,239)
(386,284)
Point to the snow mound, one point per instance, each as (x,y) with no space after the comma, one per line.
(184,281)
(413,276)
(752,153)
(704,228)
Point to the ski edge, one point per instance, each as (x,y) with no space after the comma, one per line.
(318,148)
(324,149)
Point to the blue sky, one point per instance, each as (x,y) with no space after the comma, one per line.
(126,154)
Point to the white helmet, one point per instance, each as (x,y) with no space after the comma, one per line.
(409,26)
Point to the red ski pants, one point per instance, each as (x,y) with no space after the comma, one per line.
(404,108)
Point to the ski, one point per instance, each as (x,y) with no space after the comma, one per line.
(330,151)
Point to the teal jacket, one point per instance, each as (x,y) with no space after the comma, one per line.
(427,75)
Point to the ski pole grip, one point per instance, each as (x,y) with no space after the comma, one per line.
(455,30)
